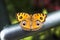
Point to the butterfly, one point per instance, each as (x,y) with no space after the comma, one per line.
(31,22)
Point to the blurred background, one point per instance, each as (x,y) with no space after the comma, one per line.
(9,9)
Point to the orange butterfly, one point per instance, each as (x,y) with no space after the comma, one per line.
(31,22)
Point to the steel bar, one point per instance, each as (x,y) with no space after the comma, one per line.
(15,32)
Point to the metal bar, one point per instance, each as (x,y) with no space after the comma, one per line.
(15,31)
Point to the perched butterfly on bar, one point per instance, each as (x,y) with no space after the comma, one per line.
(31,22)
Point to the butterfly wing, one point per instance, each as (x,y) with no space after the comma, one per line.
(36,23)
(24,20)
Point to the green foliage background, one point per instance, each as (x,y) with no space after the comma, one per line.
(14,6)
